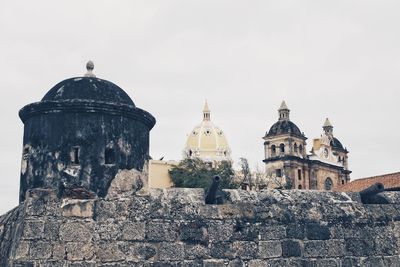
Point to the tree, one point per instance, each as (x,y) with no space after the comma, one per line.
(196,173)
(246,172)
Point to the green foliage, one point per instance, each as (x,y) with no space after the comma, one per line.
(195,173)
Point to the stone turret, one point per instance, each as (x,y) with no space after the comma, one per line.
(81,134)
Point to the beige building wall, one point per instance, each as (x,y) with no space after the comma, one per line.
(159,173)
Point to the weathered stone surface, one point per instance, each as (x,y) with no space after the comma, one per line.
(77,208)
(77,251)
(126,182)
(76,231)
(175,228)
(172,252)
(133,231)
(269,249)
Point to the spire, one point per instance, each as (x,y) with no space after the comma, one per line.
(283,106)
(89,68)
(284,112)
(206,112)
(328,128)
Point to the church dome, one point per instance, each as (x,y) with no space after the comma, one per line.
(88,88)
(284,125)
(335,143)
(207,141)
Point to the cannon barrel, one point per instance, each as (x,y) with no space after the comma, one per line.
(211,196)
(370,194)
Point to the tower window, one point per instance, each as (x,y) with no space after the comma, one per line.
(278,173)
(342,181)
(295,148)
(75,155)
(299,174)
(300,187)
(282,148)
(190,152)
(109,156)
(328,184)
(273,150)
(301,149)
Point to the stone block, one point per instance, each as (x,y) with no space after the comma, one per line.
(59,252)
(269,249)
(33,229)
(220,230)
(291,248)
(197,251)
(391,261)
(237,263)
(40,250)
(324,263)
(256,263)
(359,246)
(141,252)
(194,232)
(51,230)
(222,250)
(133,231)
(171,252)
(161,231)
(77,208)
(213,263)
(372,262)
(109,252)
(272,232)
(317,232)
(22,251)
(104,210)
(107,230)
(76,251)
(295,231)
(76,231)
(326,248)
(245,249)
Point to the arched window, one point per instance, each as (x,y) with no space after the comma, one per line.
(109,156)
(282,148)
(295,148)
(299,174)
(300,187)
(75,155)
(273,150)
(328,184)
(301,149)
(190,152)
(342,181)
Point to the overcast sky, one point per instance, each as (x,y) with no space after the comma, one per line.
(336,59)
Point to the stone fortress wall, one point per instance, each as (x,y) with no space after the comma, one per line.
(173,227)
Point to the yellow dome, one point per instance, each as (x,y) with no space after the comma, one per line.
(207,141)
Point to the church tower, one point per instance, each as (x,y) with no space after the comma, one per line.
(285,152)
(331,154)
(285,156)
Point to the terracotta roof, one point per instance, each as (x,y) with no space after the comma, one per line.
(390,181)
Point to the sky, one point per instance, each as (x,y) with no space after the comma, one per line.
(336,59)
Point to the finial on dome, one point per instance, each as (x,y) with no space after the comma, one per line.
(206,112)
(89,67)
(284,112)
(283,106)
(328,128)
(327,123)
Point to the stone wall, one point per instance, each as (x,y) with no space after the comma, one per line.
(174,227)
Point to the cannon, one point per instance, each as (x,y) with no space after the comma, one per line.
(370,195)
(214,196)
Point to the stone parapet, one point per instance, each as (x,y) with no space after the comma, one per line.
(173,227)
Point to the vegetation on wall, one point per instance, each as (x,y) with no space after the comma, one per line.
(196,173)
